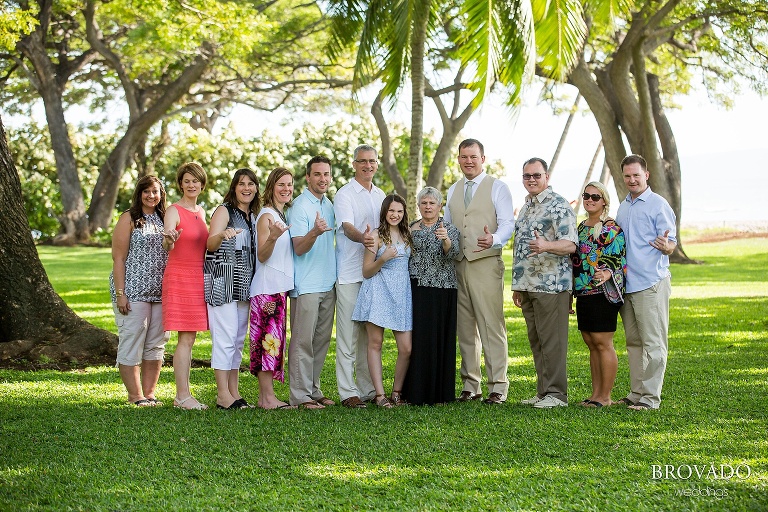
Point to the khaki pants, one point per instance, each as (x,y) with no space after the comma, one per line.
(480,323)
(311,326)
(546,316)
(645,315)
(352,375)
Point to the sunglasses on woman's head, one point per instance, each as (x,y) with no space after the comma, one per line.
(594,197)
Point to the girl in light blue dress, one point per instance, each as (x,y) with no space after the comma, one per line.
(384,301)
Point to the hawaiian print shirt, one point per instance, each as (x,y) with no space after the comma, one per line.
(607,251)
(549,215)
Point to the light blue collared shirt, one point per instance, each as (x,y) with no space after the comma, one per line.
(315,270)
(642,220)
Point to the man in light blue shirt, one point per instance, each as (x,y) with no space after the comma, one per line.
(313,299)
(648,223)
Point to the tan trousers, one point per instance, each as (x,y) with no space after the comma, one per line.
(645,315)
(352,375)
(311,326)
(546,316)
(480,323)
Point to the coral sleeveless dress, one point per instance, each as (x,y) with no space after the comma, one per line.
(184,307)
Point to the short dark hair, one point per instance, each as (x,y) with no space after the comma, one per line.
(634,159)
(317,159)
(539,160)
(472,142)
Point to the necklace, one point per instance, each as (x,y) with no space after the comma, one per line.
(192,209)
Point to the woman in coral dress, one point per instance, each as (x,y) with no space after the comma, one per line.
(270,286)
(184,307)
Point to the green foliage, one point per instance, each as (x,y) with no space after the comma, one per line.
(15,23)
(30,146)
(70,441)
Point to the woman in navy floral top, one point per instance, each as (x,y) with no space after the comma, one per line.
(599,270)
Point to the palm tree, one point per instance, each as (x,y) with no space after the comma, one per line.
(498,40)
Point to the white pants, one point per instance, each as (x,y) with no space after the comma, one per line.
(352,375)
(228,324)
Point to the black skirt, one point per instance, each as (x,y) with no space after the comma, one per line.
(431,377)
(594,313)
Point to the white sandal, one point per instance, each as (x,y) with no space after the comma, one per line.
(179,404)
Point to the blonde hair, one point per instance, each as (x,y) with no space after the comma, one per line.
(606,199)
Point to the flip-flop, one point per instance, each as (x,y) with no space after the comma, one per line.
(155,401)
(640,406)
(325,401)
(144,402)
(625,401)
(593,403)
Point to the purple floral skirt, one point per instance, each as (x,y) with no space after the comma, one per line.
(267,334)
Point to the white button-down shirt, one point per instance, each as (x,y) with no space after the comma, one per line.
(359,207)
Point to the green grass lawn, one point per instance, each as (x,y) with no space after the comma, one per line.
(69,441)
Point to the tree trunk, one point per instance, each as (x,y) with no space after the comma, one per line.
(415,158)
(587,178)
(564,135)
(50,86)
(107,185)
(35,323)
(387,156)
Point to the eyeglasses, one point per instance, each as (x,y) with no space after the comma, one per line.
(363,161)
(535,176)
(594,197)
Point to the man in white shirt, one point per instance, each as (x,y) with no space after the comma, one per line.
(356,206)
(480,206)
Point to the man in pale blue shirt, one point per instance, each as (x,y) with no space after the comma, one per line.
(648,223)
(313,299)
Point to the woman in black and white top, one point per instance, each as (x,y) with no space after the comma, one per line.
(136,288)
(229,266)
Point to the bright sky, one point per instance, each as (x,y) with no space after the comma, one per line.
(713,143)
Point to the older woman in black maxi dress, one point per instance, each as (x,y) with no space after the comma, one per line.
(431,375)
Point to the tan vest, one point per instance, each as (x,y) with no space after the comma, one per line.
(472,220)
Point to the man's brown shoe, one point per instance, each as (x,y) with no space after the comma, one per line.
(466,396)
(494,399)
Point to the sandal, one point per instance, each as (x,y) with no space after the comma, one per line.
(325,401)
(640,406)
(382,402)
(311,405)
(179,404)
(155,401)
(397,398)
(144,402)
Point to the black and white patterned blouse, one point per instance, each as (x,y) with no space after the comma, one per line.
(228,271)
(429,265)
(145,263)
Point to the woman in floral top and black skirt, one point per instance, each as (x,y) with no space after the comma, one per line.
(431,377)
(599,271)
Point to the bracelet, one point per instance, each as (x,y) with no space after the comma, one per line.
(119,292)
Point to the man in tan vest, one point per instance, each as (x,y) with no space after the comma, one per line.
(480,206)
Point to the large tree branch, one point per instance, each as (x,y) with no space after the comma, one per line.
(387,149)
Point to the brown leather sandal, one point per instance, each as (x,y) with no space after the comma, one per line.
(397,398)
(382,402)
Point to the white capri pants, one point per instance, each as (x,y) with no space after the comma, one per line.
(228,324)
